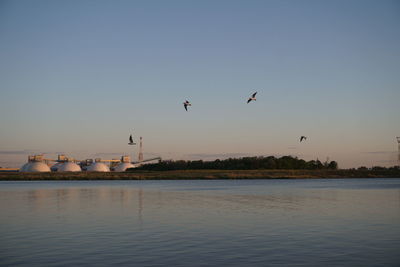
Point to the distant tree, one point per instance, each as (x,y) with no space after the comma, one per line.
(395,168)
(378,168)
(333,165)
(270,163)
(311,165)
(286,162)
(319,164)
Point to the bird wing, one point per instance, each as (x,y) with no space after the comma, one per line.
(130,139)
(185,105)
(248,100)
(254,95)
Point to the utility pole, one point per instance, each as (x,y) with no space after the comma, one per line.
(398,156)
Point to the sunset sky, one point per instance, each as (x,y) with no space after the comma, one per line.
(77,77)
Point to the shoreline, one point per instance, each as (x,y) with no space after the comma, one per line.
(200,174)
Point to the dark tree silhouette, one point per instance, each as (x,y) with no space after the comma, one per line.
(246,163)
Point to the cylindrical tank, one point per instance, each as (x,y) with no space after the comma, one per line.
(98,167)
(69,167)
(35,167)
(123,166)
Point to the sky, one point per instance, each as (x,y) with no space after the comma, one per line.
(78,77)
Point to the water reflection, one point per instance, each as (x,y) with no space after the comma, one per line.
(140,210)
(200,223)
(115,201)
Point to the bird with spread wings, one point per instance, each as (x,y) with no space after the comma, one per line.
(253,97)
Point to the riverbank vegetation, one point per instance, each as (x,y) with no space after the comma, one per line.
(203,174)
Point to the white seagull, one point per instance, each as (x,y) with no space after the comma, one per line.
(253,97)
(131,141)
(186,104)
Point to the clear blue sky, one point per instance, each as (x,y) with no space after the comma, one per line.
(79,76)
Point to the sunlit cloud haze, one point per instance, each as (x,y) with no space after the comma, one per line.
(79,76)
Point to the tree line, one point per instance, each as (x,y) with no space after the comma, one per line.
(246,163)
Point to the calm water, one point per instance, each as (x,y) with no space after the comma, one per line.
(338,222)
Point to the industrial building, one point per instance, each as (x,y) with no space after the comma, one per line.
(37,163)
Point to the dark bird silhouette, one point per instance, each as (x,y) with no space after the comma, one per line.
(186,104)
(303,138)
(253,97)
(131,141)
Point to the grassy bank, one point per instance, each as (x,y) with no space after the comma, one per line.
(202,174)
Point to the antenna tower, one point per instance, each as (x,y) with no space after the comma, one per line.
(398,156)
(141,150)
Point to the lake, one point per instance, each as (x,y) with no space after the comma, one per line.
(302,222)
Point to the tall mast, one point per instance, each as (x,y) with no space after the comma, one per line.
(398,156)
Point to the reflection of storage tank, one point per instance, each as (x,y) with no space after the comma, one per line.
(35,167)
(98,166)
(69,167)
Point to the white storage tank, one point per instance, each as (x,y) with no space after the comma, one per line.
(35,164)
(35,167)
(69,167)
(123,166)
(98,167)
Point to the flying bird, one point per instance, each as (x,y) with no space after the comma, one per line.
(186,104)
(253,97)
(131,141)
(303,138)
